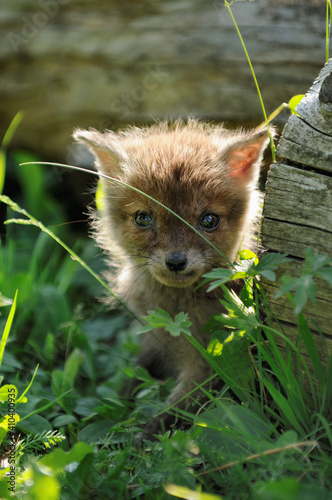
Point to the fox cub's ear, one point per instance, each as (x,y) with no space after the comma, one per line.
(244,157)
(106,149)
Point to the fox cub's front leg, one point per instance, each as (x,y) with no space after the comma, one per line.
(190,370)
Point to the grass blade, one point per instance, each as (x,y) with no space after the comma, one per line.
(28,387)
(328,28)
(311,348)
(5,143)
(228,5)
(285,407)
(48,405)
(7,328)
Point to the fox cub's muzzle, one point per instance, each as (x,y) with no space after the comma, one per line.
(176,261)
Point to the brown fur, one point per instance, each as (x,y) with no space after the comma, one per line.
(192,169)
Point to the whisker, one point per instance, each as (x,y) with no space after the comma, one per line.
(135,282)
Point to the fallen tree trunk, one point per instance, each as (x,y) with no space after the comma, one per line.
(298,208)
(70,63)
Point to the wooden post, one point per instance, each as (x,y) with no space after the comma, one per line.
(297,209)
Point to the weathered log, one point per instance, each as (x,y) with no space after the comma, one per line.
(70,63)
(318,312)
(298,207)
(300,196)
(307,138)
(297,210)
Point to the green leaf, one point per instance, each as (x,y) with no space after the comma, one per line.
(3,429)
(5,493)
(233,341)
(92,433)
(294,101)
(306,289)
(305,286)
(64,381)
(34,424)
(183,492)
(219,276)
(286,488)
(288,284)
(269,275)
(80,483)
(41,482)
(6,391)
(326,274)
(72,365)
(161,319)
(249,266)
(58,459)
(286,439)
(6,423)
(86,407)
(63,420)
(247,254)
(269,263)
(231,357)
(239,316)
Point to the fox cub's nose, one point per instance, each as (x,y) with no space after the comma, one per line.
(176,261)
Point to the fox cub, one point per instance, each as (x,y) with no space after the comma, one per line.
(207,175)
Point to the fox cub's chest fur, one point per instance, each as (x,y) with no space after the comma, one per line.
(205,174)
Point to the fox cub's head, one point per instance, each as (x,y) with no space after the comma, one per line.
(205,174)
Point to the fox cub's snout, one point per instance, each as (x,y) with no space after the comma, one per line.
(205,174)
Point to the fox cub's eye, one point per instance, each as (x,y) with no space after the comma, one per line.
(143,219)
(209,221)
